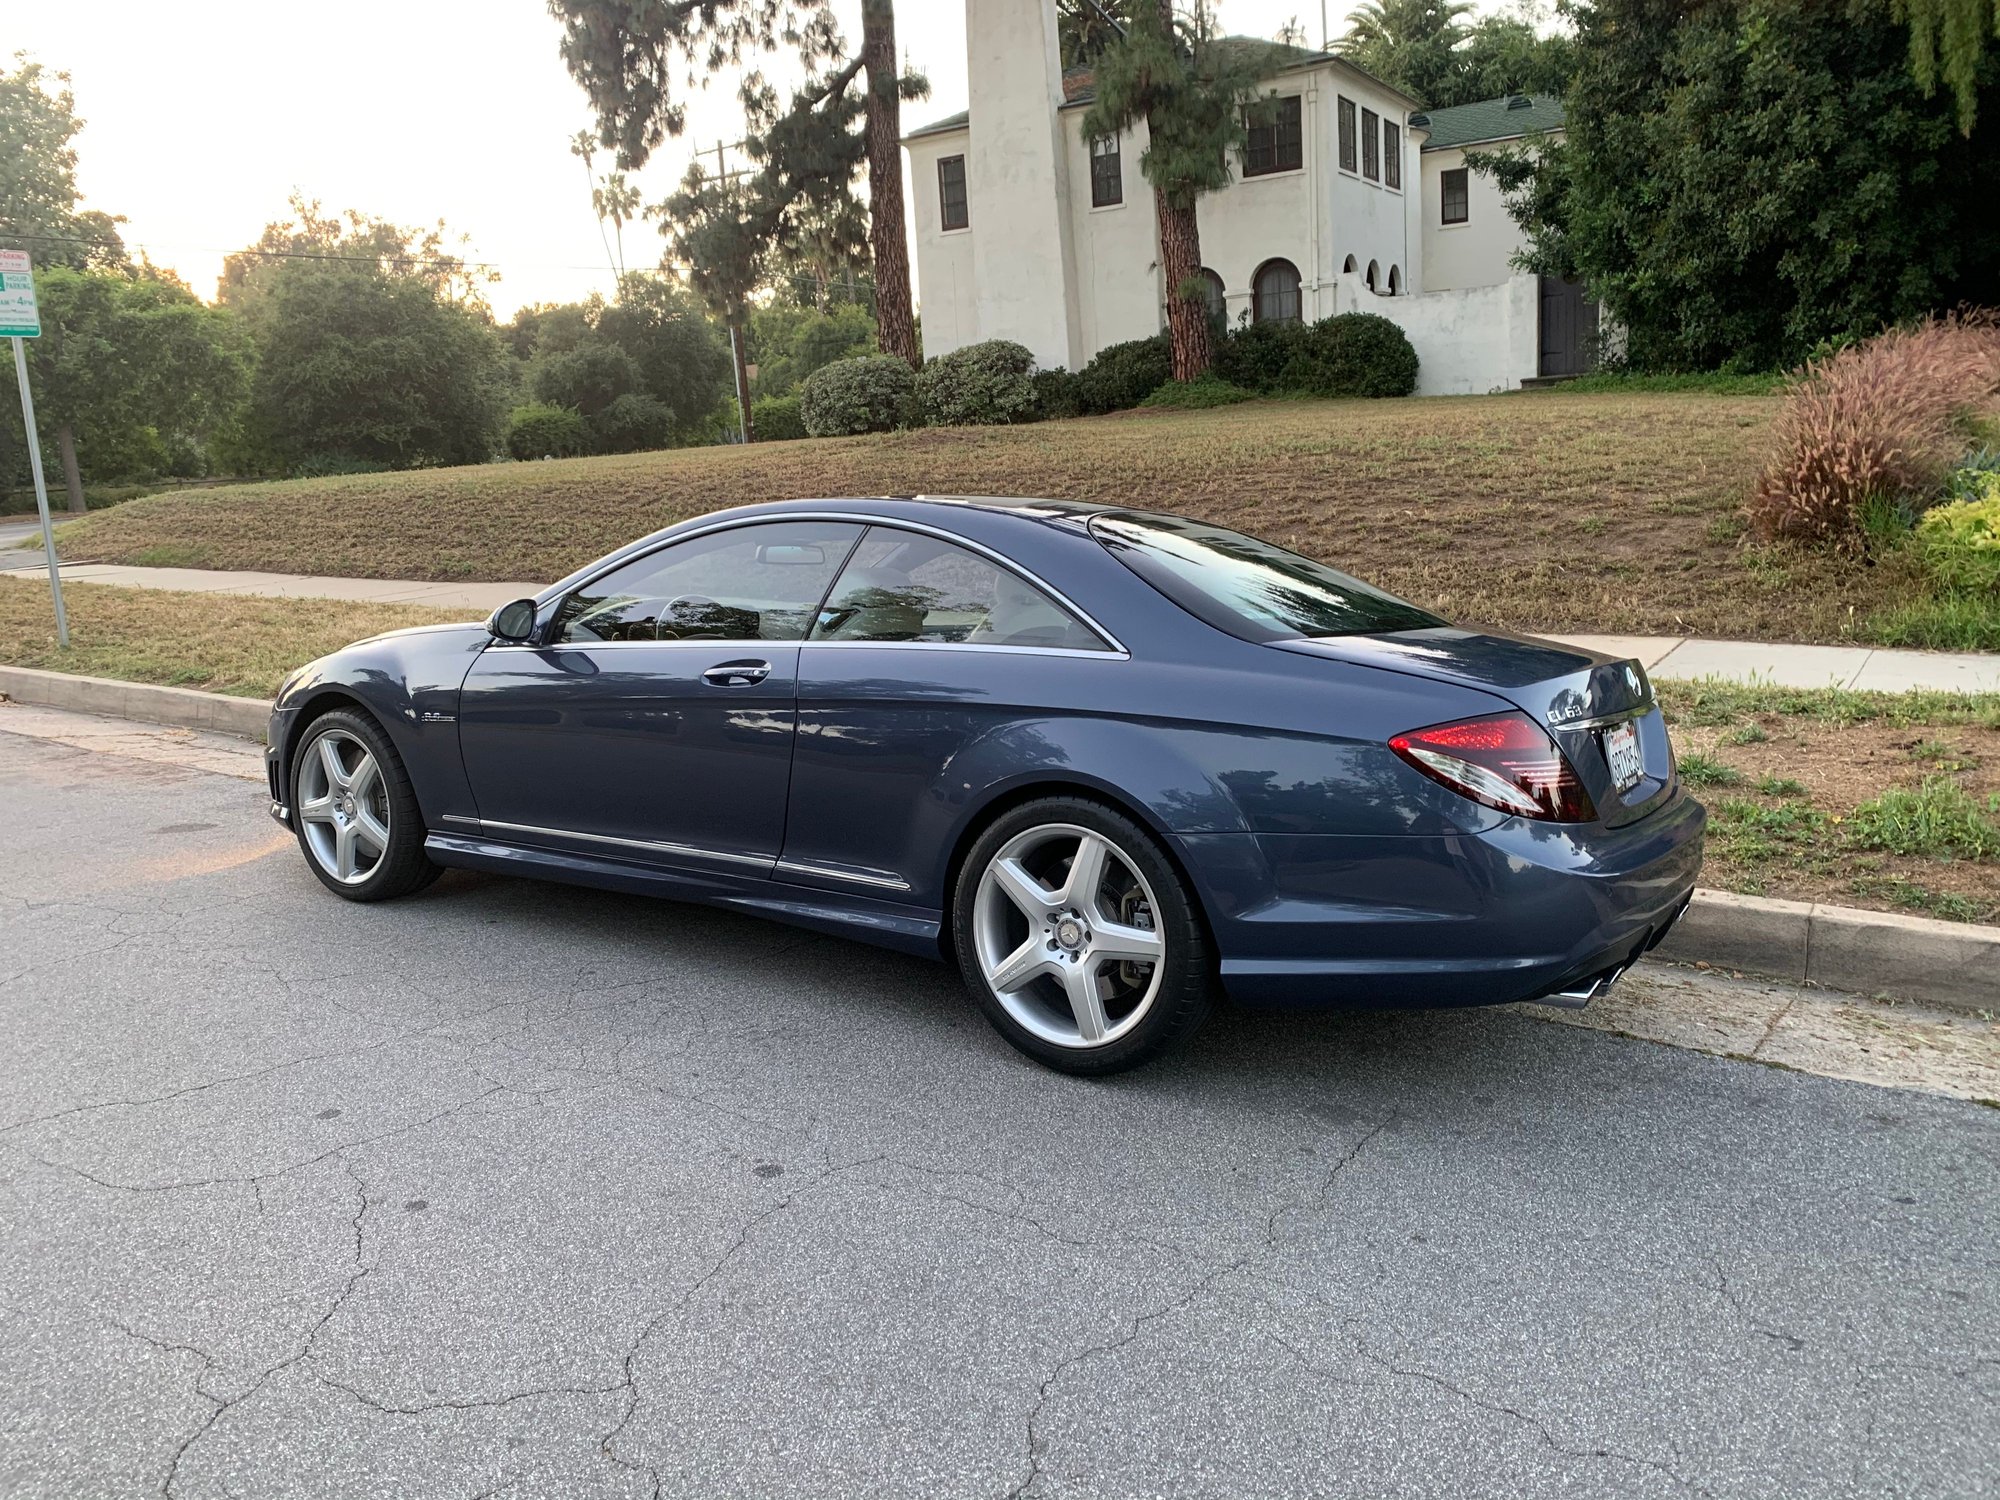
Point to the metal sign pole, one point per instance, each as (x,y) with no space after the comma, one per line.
(41,491)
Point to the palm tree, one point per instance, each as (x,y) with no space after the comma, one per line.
(1407,43)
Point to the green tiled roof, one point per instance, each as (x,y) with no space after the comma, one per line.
(1490,120)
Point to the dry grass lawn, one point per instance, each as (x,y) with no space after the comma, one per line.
(1544,510)
(219,643)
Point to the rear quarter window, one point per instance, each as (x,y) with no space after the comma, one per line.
(1249,588)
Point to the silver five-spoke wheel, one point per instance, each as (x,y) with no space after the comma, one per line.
(1066,935)
(344,807)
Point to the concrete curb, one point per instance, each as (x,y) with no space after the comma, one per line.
(186,707)
(1951,965)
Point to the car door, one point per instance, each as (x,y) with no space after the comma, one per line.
(929,663)
(653,715)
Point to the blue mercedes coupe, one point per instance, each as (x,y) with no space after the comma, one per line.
(1104,760)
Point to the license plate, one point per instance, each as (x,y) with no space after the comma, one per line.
(1621,750)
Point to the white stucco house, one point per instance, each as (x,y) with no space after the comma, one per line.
(1347,197)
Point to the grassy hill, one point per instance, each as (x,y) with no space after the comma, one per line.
(1546,510)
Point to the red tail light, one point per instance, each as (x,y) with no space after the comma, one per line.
(1508,762)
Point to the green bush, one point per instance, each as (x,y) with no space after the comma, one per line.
(1196,395)
(541,431)
(1960,542)
(876,393)
(1056,394)
(631,424)
(776,418)
(1256,355)
(1351,354)
(1123,375)
(979,385)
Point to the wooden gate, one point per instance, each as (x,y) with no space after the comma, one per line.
(1569,329)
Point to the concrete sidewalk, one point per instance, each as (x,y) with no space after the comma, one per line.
(479,598)
(1863,668)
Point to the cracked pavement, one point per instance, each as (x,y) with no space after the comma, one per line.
(518,1190)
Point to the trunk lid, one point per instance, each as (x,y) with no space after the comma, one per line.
(1576,694)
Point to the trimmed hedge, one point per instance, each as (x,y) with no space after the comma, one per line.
(776,418)
(876,393)
(1196,395)
(1056,394)
(543,431)
(1123,375)
(985,384)
(1351,354)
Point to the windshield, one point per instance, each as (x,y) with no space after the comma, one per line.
(1249,588)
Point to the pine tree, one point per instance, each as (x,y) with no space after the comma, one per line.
(1190,87)
(627,56)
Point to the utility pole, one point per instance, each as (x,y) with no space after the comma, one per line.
(20,320)
(736,353)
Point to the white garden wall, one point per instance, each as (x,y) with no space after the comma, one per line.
(1469,341)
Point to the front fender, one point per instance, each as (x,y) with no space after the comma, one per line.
(409,682)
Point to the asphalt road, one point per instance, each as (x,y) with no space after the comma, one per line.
(517,1190)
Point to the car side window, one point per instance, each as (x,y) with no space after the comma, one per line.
(905,586)
(749,583)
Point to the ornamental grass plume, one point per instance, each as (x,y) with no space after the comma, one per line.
(1888,419)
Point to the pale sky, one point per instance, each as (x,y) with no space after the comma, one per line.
(202,116)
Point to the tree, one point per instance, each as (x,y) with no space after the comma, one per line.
(1948,44)
(1409,44)
(683,360)
(356,240)
(625,54)
(1742,181)
(1423,48)
(38,196)
(358,365)
(1508,52)
(1190,88)
(128,367)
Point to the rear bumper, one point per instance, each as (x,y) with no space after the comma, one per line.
(1524,911)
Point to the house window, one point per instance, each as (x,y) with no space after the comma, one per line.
(1392,153)
(1454,190)
(951,192)
(1371,145)
(1213,295)
(1107,174)
(1276,140)
(1346,111)
(1276,289)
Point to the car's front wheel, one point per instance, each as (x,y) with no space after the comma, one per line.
(1076,935)
(355,811)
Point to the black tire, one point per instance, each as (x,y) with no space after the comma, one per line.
(402,868)
(1186,980)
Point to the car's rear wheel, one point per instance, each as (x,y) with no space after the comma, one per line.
(355,811)
(1076,935)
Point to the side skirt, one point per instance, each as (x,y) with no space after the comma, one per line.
(907,929)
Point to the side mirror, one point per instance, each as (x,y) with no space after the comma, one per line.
(512,622)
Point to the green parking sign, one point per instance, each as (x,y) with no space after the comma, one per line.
(19,317)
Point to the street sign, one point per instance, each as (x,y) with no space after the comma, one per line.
(20,320)
(19,317)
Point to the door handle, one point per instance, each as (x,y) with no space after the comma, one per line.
(737,674)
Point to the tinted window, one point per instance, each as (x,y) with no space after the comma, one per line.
(903,586)
(750,583)
(1247,587)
